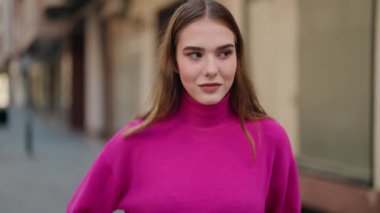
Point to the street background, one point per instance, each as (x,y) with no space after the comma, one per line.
(73,72)
(44,181)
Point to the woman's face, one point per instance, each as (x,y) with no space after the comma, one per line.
(206,60)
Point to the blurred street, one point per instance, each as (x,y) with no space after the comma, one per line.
(45,181)
(86,67)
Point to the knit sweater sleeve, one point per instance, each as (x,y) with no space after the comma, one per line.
(100,189)
(283,193)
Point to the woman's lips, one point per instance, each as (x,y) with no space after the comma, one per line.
(210,87)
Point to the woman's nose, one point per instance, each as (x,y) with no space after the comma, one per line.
(211,68)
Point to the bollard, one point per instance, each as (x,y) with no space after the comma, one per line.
(29,135)
(25,60)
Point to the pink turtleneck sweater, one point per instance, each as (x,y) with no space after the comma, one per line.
(199,160)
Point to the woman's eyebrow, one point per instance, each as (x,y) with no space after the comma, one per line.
(194,48)
(225,47)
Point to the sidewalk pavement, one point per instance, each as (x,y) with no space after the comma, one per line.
(45,181)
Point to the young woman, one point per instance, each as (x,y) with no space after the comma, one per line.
(206,145)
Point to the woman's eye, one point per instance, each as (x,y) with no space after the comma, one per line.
(225,54)
(195,55)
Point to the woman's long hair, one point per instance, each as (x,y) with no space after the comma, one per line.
(167,96)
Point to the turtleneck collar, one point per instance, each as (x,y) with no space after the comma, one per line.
(204,116)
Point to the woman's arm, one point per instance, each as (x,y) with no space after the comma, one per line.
(283,193)
(100,189)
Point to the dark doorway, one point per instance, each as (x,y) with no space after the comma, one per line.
(77,113)
(164,16)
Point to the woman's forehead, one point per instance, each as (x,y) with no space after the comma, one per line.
(205,33)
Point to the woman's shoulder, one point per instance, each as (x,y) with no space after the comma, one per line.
(268,125)
(118,143)
(133,123)
(270,131)
(120,135)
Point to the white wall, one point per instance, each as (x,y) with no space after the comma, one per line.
(27,23)
(146,11)
(236,7)
(94,77)
(7,28)
(273,58)
(376,151)
(18,96)
(126,60)
(148,68)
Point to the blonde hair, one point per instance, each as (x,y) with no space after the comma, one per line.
(243,100)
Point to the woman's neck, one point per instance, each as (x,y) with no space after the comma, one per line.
(199,115)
